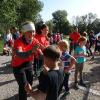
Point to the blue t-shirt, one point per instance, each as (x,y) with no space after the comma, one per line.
(80,50)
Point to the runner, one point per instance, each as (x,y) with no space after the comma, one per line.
(22,58)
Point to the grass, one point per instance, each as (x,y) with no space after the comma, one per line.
(1,46)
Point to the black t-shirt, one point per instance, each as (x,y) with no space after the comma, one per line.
(50,83)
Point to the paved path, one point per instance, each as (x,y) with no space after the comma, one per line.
(9,87)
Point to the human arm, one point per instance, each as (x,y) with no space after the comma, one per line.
(37,94)
(72,62)
(24,54)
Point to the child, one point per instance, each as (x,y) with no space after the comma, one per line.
(68,61)
(80,55)
(50,79)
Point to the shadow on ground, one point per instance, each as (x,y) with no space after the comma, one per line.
(5,69)
(15,97)
(93,77)
(6,82)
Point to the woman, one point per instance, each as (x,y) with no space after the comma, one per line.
(22,58)
(42,36)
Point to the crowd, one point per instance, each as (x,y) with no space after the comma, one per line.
(50,57)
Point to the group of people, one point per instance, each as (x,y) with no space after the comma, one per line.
(32,51)
(9,37)
(92,45)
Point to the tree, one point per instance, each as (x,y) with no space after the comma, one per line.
(85,23)
(13,12)
(50,25)
(96,25)
(29,10)
(60,21)
(38,19)
(8,14)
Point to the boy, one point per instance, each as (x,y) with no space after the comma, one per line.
(68,62)
(80,55)
(50,79)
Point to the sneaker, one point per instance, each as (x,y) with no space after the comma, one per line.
(82,84)
(92,58)
(65,94)
(76,86)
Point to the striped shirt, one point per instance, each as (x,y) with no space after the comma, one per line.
(66,59)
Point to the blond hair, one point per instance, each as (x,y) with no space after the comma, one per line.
(64,44)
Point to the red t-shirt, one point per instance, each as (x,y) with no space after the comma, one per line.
(20,45)
(75,36)
(42,39)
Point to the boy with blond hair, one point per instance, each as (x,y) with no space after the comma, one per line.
(68,62)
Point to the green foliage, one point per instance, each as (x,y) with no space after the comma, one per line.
(29,10)
(87,23)
(1,46)
(60,21)
(50,25)
(13,12)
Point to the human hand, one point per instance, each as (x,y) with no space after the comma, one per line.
(35,47)
(28,88)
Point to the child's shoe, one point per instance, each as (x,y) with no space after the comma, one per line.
(76,87)
(81,83)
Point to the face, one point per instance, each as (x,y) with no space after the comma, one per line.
(29,35)
(82,43)
(62,46)
(45,31)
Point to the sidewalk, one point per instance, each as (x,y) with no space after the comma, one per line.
(9,87)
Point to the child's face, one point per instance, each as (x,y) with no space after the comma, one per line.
(62,46)
(82,43)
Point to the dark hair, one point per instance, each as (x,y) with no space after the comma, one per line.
(39,28)
(52,52)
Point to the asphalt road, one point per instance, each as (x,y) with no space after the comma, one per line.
(9,87)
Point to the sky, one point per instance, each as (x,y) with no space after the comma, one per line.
(73,8)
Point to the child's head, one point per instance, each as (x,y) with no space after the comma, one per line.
(84,34)
(82,41)
(51,55)
(63,45)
